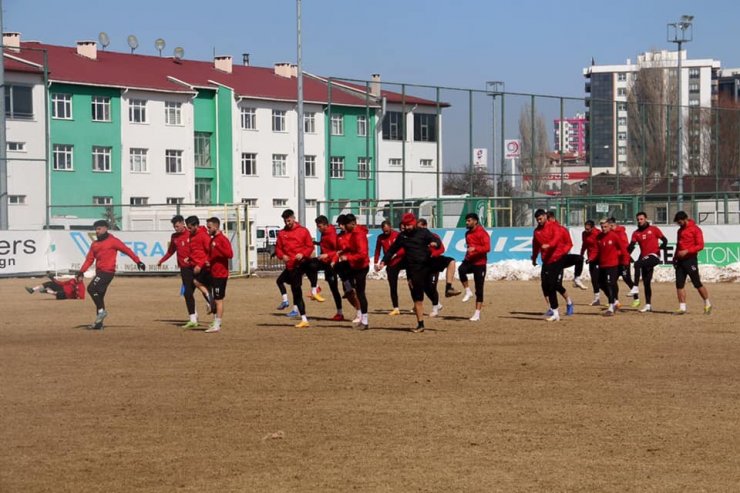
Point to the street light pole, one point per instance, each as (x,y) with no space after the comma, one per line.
(301,123)
(680,32)
(494,88)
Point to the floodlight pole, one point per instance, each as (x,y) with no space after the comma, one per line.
(682,32)
(3,145)
(301,123)
(494,88)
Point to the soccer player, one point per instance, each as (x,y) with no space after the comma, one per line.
(441,263)
(103,252)
(689,243)
(609,252)
(647,236)
(355,253)
(547,241)
(588,246)
(625,264)
(478,242)
(180,244)
(200,242)
(417,244)
(382,245)
(62,289)
(569,259)
(328,245)
(219,253)
(294,246)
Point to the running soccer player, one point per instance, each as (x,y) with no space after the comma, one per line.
(180,244)
(103,252)
(441,263)
(328,246)
(294,246)
(647,236)
(478,242)
(625,264)
(689,243)
(569,259)
(355,254)
(382,245)
(609,252)
(588,246)
(219,254)
(548,242)
(417,244)
(200,242)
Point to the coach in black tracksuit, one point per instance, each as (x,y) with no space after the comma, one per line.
(416,244)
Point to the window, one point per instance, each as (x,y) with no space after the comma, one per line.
(279,202)
(61,106)
(173,161)
(661,215)
(621,121)
(202,191)
(137,111)
(337,124)
(250,202)
(16,146)
(425,163)
(694,87)
(311,202)
(63,157)
(622,136)
(394,161)
(16,199)
(621,106)
(425,127)
(101,109)
(102,200)
(202,150)
(137,160)
(310,166)
(363,168)
(693,102)
(101,158)
(309,123)
(172,113)
(694,72)
(621,91)
(279,165)
(622,76)
(278,121)
(139,201)
(175,200)
(393,126)
(336,165)
(362,125)
(249,119)
(18,102)
(249,164)
(622,151)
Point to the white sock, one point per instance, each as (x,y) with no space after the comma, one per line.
(477,313)
(304,318)
(596,296)
(339,311)
(295,308)
(556,313)
(313,290)
(682,307)
(194,317)
(438,307)
(285,298)
(468,291)
(364,319)
(568,301)
(217,322)
(359,314)
(101,310)
(611,306)
(707,303)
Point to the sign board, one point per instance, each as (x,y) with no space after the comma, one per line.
(480,157)
(602,207)
(513,148)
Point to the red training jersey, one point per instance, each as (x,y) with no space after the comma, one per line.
(200,243)
(480,239)
(294,241)
(588,242)
(649,240)
(439,249)
(73,289)
(609,250)
(357,248)
(384,242)
(691,238)
(180,243)
(219,253)
(621,232)
(548,234)
(328,243)
(104,252)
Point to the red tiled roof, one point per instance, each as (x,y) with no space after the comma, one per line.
(125,70)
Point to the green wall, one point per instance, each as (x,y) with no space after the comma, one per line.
(213,115)
(78,187)
(350,146)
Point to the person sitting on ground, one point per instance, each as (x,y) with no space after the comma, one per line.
(63,289)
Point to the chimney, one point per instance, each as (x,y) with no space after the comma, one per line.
(294,71)
(12,41)
(375,85)
(245,59)
(223,63)
(88,49)
(283,69)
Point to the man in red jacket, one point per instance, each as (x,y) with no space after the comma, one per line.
(588,246)
(610,250)
(180,245)
(62,289)
(328,246)
(295,246)
(200,242)
(355,253)
(569,259)
(478,242)
(219,254)
(625,264)
(103,252)
(382,245)
(548,242)
(688,245)
(647,236)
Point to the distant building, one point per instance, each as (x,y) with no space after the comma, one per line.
(570,135)
(728,85)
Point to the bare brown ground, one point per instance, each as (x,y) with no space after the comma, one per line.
(633,403)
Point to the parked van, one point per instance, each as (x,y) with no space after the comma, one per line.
(266,237)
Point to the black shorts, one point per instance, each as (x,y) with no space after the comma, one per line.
(687,267)
(204,277)
(218,286)
(438,264)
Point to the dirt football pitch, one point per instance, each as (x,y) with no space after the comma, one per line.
(637,402)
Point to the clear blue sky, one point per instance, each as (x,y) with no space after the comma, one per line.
(537,46)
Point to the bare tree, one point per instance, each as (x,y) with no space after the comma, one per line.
(534,161)
(471,180)
(725,154)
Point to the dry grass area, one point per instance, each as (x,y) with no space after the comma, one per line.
(633,403)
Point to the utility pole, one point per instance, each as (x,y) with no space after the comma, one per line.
(3,145)
(301,123)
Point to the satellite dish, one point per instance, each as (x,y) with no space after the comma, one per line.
(159,44)
(133,43)
(179,53)
(104,40)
